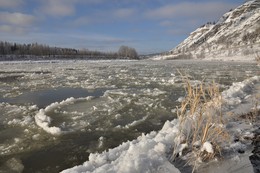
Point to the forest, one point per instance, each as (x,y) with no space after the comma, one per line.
(35,51)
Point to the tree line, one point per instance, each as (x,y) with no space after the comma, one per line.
(13,51)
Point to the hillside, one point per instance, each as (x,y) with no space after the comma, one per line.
(236,36)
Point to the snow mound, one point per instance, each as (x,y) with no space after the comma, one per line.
(240,90)
(145,154)
(207,146)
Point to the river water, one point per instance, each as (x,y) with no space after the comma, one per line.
(113,101)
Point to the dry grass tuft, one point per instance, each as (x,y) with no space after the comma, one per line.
(201,121)
(253,116)
(257,58)
(256,104)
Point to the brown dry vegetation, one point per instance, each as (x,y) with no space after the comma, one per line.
(201,111)
(257,58)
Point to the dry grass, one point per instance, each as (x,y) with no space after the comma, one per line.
(255,112)
(201,120)
(257,58)
(253,116)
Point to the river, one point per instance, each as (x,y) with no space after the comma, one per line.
(53,114)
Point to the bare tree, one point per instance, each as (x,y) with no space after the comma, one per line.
(42,51)
(127,52)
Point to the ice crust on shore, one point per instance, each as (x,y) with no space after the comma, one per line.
(239,91)
(150,153)
(145,154)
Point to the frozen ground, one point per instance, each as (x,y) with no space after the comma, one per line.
(54,114)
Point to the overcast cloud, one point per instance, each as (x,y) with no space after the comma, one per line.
(11,3)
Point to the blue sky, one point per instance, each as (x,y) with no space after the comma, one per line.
(147,25)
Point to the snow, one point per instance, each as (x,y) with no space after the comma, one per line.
(23,122)
(151,152)
(238,91)
(145,154)
(207,146)
(179,149)
(136,122)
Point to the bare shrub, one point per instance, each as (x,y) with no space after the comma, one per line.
(202,127)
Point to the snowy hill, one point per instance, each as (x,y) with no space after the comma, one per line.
(236,36)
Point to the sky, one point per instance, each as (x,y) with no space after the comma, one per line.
(149,26)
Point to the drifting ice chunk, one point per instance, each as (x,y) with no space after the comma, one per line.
(238,91)
(44,121)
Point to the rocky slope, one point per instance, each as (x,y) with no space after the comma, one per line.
(235,36)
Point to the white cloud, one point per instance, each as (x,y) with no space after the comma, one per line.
(167,23)
(182,18)
(10,3)
(102,17)
(92,1)
(91,40)
(95,38)
(58,8)
(18,19)
(81,21)
(13,30)
(16,23)
(190,10)
(88,20)
(124,13)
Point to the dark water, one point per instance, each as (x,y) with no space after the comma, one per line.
(77,147)
(43,98)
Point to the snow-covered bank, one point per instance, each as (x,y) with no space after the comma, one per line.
(151,152)
(219,57)
(145,154)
